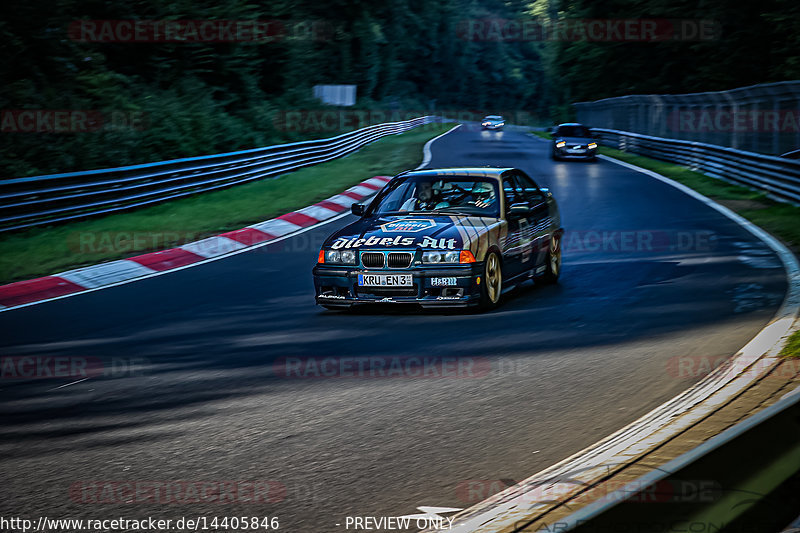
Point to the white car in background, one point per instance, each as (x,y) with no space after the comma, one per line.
(493,122)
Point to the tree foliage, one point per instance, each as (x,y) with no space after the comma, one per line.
(201,98)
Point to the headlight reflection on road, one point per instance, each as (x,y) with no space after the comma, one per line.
(560,172)
(493,135)
(595,183)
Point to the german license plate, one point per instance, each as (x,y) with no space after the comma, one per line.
(385,280)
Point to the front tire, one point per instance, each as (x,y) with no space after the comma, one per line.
(492,282)
(553,261)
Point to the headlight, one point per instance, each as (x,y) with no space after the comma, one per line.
(560,144)
(346,257)
(440,257)
(592,146)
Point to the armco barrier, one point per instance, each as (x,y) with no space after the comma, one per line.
(778,177)
(40,200)
(761,118)
(744,479)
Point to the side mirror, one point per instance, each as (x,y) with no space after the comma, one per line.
(358,209)
(537,199)
(519,209)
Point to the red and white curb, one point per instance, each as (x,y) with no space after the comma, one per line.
(29,292)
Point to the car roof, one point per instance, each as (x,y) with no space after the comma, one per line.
(570,124)
(486,172)
(493,116)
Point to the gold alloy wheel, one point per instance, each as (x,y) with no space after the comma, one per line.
(494,278)
(555,255)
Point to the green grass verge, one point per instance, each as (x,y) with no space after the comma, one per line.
(43,251)
(780,219)
(792,348)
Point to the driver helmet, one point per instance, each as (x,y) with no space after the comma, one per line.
(483,190)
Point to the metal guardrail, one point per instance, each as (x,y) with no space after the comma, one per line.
(762,118)
(779,177)
(42,200)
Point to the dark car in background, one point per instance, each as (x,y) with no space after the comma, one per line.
(493,122)
(443,238)
(573,141)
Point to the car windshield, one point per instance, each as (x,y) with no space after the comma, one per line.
(573,131)
(441,194)
(493,117)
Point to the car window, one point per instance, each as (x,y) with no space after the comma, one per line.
(449,194)
(573,131)
(531,191)
(513,192)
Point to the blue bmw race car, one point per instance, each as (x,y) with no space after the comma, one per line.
(444,237)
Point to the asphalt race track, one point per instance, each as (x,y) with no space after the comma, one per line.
(649,275)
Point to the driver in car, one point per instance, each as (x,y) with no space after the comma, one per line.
(483,194)
(427,198)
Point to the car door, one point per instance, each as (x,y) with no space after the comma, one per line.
(539,218)
(518,255)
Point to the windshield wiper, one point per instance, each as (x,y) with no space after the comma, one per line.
(435,212)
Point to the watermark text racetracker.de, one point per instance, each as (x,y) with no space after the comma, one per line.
(574,241)
(115,242)
(690,367)
(735,121)
(200,31)
(338,120)
(587,30)
(132,243)
(382,367)
(225,492)
(472,491)
(71,120)
(24,367)
(636,241)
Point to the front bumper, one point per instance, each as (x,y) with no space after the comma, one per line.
(579,153)
(337,286)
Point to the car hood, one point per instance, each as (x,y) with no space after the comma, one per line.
(576,140)
(437,232)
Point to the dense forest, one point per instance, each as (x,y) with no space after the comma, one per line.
(156,99)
